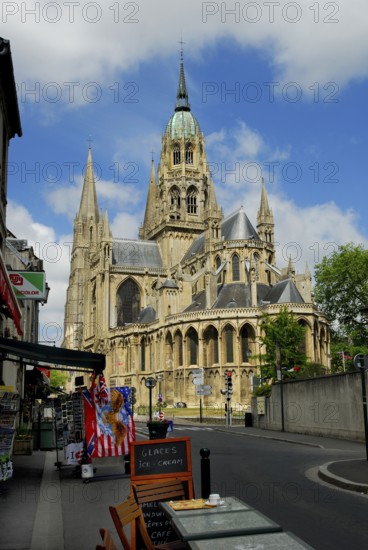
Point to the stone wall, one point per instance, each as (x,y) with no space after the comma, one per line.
(330,406)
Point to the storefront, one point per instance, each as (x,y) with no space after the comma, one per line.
(26,353)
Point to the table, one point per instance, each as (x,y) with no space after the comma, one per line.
(266,541)
(219,521)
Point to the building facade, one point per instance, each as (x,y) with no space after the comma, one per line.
(10,126)
(191,291)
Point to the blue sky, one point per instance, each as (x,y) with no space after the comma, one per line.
(277,93)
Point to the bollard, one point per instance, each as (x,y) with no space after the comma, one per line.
(127,464)
(205,473)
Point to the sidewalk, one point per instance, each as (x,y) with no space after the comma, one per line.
(44,509)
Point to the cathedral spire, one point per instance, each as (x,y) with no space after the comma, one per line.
(88,205)
(150,212)
(182,99)
(265,222)
(264,208)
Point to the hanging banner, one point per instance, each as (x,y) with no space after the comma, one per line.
(109,422)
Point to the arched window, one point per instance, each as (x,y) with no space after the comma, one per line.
(128,302)
(189,154)
(210,338)
(303,345)
(192,338)
(176,154)
(178,349)
(229,344)
(244,344)
(143,354)
(192,200)
(169,351)
(175,197)
(235,267)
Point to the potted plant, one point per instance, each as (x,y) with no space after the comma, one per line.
(158,426)
(23,441)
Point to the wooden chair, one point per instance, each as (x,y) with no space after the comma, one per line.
(107,541)
(170,489)
(129,512)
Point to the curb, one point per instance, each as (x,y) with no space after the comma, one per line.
(273,438)
(326,475)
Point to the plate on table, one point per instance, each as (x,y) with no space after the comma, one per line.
(208,503)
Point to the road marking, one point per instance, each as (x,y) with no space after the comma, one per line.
(194,428)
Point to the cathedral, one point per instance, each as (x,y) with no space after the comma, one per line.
(191,291)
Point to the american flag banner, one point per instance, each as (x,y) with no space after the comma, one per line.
(109,422)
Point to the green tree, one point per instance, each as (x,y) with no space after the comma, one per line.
(341,291)
(285,332)
(58,379)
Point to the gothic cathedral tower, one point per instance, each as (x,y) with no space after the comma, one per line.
(182,204)
(88,225)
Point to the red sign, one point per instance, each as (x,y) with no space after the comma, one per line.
(9,299)
(16,279)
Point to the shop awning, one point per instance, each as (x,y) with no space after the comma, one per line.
(8,302)
(50,354)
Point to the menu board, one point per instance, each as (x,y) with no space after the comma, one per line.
(156,460)
(160,458)
(158,525)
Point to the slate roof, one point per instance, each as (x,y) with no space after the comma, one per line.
(169,283)
(238,227)
(235,227)
(147,315)
(235,295)
(284,292)
(129,253)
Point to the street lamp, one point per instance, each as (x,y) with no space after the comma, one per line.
(150,384)
(47,292)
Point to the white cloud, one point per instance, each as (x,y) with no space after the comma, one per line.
(125,225)
(307,234)
(55,254)
(110,194)
(317,42)
(245,152)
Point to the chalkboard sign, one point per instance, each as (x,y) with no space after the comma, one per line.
(160,458)
(158,526)
(152,461)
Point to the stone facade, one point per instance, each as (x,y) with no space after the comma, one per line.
(191,290)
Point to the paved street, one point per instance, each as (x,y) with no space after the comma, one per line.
(280,479)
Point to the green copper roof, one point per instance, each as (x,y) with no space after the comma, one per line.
(182,123)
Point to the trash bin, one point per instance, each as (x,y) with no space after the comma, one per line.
(248,420)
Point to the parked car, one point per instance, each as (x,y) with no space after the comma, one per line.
(180,405)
